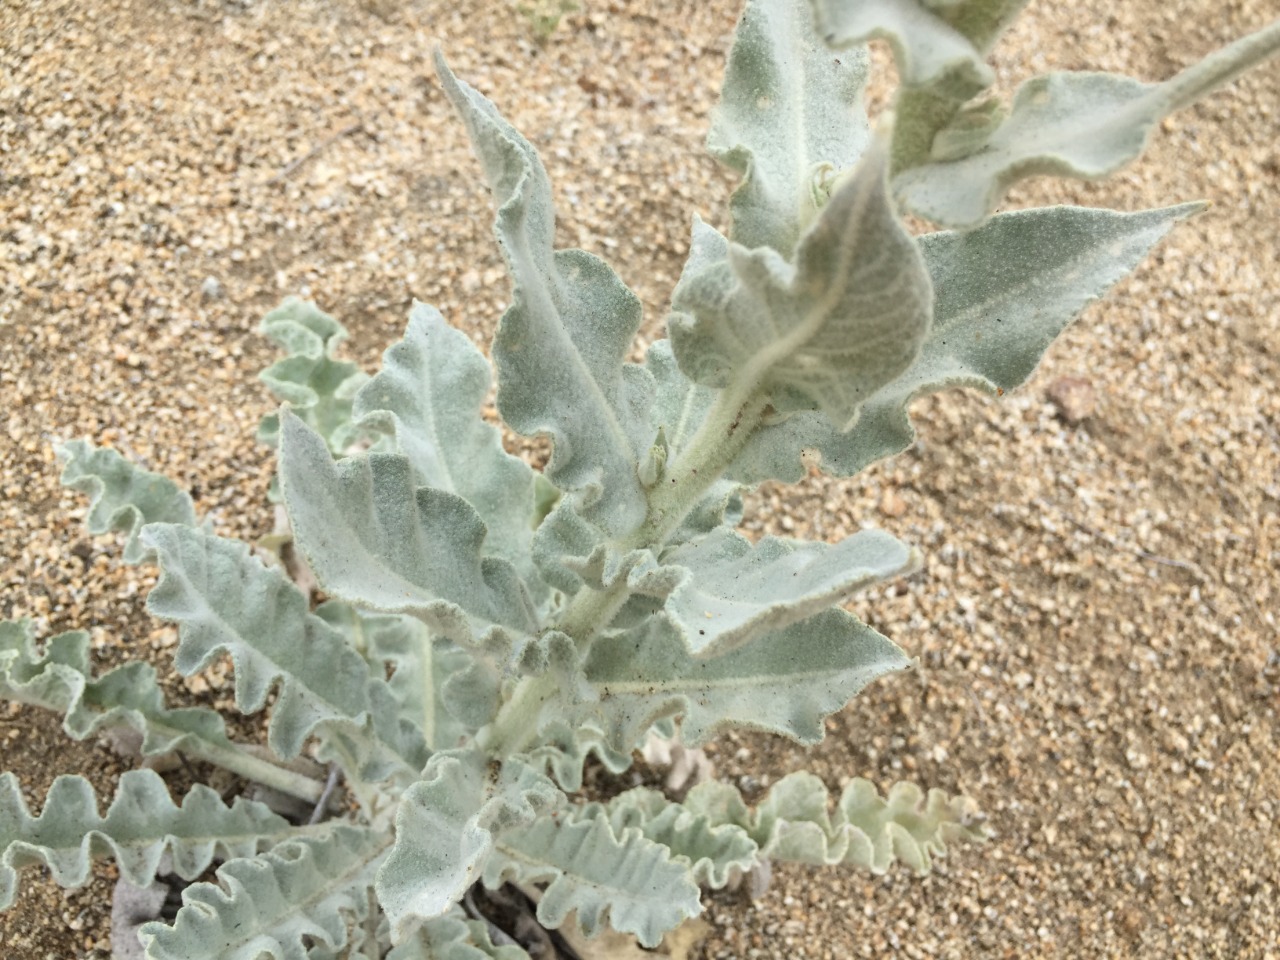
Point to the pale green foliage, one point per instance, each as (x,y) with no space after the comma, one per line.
(491,630)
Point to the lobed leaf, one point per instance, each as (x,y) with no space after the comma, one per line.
(1003,292)
(736,591)
(61,679)
(445,830)
(789,114)
(454,937)
(786,681)
(374,537)
(794,822)
(713,852)
(560,347)
(318,387)
(420,666)
(429,393)
(622,879)
(140,827)
(224,599)
(827,332)
(1085,125)
(928,46)
(308,890)
(123,496)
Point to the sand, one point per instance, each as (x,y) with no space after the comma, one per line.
(1095,622)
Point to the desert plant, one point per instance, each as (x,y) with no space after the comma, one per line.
(490,628)
(544,16)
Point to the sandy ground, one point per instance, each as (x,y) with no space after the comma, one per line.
(1095,624)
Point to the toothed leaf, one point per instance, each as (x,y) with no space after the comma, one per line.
(421,666)
(310,889)
(225,600)
(560,347)
(790,114)
(927,47)
(1085,125)
(123,496)
(713,852)
(1003,293)
(736,591)
(61,679)
(317,387)
(626,881)
(454,937)
(795,822)
(375,538)
(784,682)
(445,831)
(429,394)
(141,825)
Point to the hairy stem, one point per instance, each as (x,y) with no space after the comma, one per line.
(719,440)
(253,768)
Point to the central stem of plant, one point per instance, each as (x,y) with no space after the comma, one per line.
(722,436)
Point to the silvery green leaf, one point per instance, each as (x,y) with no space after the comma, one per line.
(375,538)
(783,682)
(420,666)
(308,890)
(445,830)
(565,749)
(1069,124)
(454,937)
(140,827)
(429,393)
(573,552)
(789,114)
(928,46)
(794,822)
(224,599)
(714,852)
(1003,292)
(826,332)
(624,880)
(560,347)
(318,387)
(736,591)
(122,496)
(60,679)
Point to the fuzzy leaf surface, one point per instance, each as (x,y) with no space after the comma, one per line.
(927,47)
(224,599)
(454,937)
(422,666)
(1085,125)
(712,851)
(626,880)
(1003,292)
(795,822)
(318,387)
(377,539)
(445,831)
(786,681)
(789,112)
(560,347)
(736,591)
(123,496)
(429,394)
(61,679)
(310,888)
(826,332)
(141,825)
